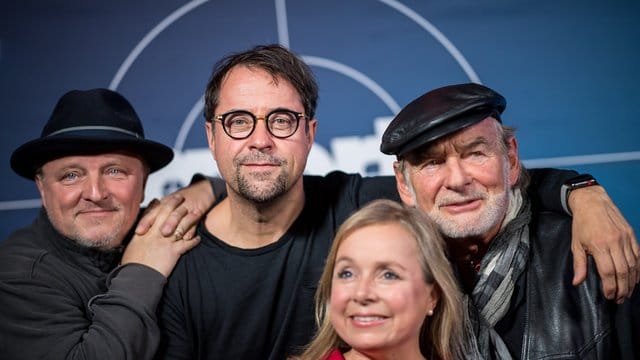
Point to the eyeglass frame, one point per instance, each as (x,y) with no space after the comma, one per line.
(298,115)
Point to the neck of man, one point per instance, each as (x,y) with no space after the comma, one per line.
(469,249)
(468,252)
(247,224)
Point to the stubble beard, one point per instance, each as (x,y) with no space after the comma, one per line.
(104,239)
(259,187)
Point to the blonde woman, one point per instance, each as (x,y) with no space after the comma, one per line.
(388,291)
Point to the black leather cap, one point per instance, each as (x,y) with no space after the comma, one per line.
(438,113)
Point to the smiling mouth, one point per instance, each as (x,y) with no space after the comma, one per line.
(459,203)
(366,319)
(461,206)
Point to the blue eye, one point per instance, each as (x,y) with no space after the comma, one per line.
(390,275)
(344,274)
(70,176)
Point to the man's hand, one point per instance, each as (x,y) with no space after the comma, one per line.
(156,250)
(193,201)
(600,230)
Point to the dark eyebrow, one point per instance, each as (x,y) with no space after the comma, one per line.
(286,109)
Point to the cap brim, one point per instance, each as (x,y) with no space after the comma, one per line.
(443,129)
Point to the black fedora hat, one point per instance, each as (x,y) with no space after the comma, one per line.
(438,113)
(85,123)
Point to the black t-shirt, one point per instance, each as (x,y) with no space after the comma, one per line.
(224,302)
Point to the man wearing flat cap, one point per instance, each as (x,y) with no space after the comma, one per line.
(459,164)
(68,290)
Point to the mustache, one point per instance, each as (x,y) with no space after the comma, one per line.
(453,198)
(258,157)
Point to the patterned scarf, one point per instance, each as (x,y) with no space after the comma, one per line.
(501,266)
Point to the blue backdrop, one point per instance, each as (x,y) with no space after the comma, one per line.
(569,71)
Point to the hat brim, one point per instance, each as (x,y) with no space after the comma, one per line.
(28,158)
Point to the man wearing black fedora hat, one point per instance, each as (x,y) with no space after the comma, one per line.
(247,292)
(457,162)
(68,288)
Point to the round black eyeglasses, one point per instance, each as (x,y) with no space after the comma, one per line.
(239,124)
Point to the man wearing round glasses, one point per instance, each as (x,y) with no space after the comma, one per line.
(240,124)
(261,160)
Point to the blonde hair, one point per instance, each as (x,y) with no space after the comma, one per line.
(443,333)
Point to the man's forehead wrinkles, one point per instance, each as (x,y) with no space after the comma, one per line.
(465,144)
(456,143)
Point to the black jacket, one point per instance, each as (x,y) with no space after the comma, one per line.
(549,318)
(59,300)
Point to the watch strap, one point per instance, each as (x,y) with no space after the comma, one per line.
(574,183)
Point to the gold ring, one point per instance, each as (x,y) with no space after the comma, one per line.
(179,233)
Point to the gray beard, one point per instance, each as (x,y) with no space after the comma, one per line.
(493,215)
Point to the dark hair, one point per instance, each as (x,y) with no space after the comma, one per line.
(275,59)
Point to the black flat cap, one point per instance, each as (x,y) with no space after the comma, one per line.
(89,122)
(438,113)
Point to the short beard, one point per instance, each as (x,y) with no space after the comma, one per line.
(258,194)
(258,187)
(493,215)
(495,211)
